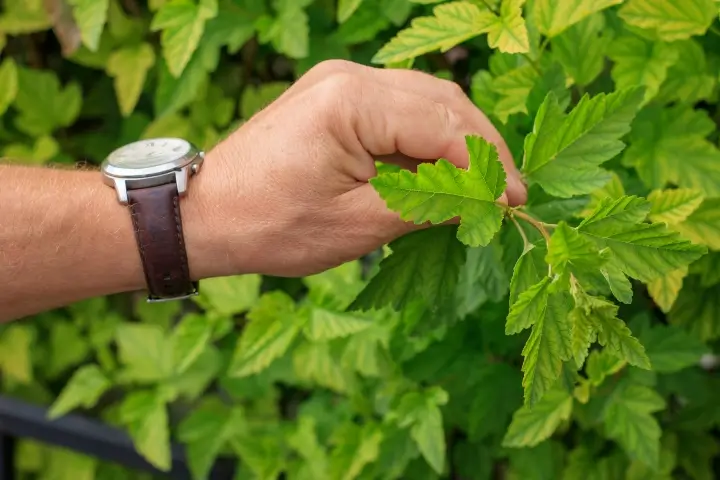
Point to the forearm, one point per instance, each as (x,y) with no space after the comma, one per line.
(64,237)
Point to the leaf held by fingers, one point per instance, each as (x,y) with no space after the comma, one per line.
(441,191)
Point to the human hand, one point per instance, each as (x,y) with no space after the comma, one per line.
(287,194)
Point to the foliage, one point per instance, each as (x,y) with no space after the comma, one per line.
(560,339)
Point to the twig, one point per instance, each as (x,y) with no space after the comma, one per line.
(526,242)
(540,226)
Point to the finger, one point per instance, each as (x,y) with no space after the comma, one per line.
(473,120)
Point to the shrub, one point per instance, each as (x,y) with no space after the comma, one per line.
(561,339)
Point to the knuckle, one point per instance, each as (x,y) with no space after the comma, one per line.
(454,91)
(330,67)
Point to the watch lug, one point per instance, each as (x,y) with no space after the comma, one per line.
(121,189)
(181,179)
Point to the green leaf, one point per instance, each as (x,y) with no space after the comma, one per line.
(697,309)
(581,49)
(532,425)
(529,308)
(661,136)
(674,206)
(628,420)
(612,332)
(355,447)
(668,20)
(146,418)
(441,191)
(563,152)
(570,252)
(318,363)
(129,66)
(641,62)
(24,16)
(346,8)
(513,89)
(15,352)
(43,104)
(304,441)
(290,32)
(602,364)
(273,325)
(618,282)
(182,23)
(206,431)
(508,32)
(229,295)
(671,349)
(696,451)
(702,225)
(8,83)
(528,270)
(325,324)
(553,17)
(549,344)
(451,24)
(90,16)
(583,335)
(424,265)
(188,340)
(420,412)
(145,353)
(690,79)
(641,250)
(83,389)
(664,290)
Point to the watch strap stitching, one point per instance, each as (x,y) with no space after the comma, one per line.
(181,240)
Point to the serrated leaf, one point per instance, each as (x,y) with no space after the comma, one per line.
(628,420)
(549,344)
(129,67)
(182,23)
(424,265)
(552,17)
(618,282)
(325,324)
(530,307)
(8,83)
(451,24)
(581,49)
(90,16)
(690,79)
(702,225)
(83,389)
(697,309)
(508,32)
(583,335)
(441,191)
(660,137)
(532,425)
(641,62)
(189,339)
(612,332)
(671,348)
(356,446)
(319,364)
(664,290)
(229,295)
(290,32)
(641,250)
(669,20)
(513,88)
(570,252)
(273,325)
(602,364)
(528,270)
(563,152)
(674,206)
(146,418)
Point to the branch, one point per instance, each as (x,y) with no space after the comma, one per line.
(540,226)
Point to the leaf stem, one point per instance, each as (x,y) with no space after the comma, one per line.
(490,7)
(526,242)
(540,226)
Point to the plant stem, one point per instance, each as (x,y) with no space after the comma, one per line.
(540,226)
(526,242)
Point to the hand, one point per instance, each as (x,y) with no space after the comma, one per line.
(288,192)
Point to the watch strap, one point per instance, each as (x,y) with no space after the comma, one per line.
(155,213)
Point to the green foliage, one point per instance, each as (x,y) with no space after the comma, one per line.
(564,339)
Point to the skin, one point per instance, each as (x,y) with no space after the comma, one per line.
(287,194)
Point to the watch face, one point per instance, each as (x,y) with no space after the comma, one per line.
(149,153)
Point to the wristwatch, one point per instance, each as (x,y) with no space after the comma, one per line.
(150,177)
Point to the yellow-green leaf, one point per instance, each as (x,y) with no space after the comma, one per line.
(641,62)
(90,16)
(508,32)
(665,290)
(84,389)
(346,8)
(129,66)
(451,24)
(552,17)
(703,225)
(532,425)
(8,83)
(675,205)
(670,19)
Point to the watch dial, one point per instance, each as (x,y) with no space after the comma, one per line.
(149,153)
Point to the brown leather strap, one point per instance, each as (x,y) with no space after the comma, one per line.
(158,229)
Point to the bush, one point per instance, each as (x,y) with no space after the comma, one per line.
(562,339)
